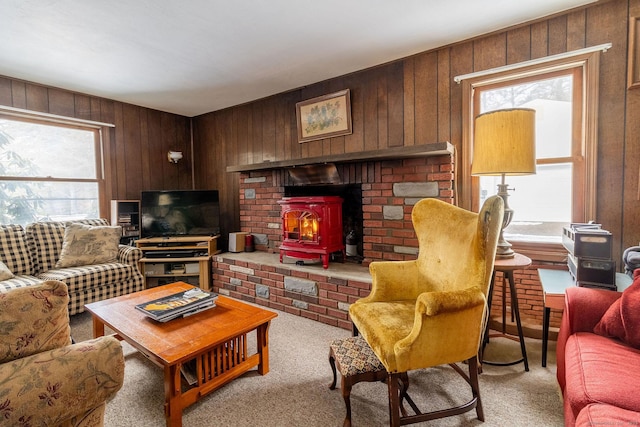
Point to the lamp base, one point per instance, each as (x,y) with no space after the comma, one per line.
(504,250)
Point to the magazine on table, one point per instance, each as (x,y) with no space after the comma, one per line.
(181,304)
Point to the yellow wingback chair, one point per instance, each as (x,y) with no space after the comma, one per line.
(432,311)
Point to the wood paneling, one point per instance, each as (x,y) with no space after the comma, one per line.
(539,40)
(576,24)
(444,96)
(518,45)
(414,101)
(5,91)
(557,35)
(372,107)
(409,100)
(36,98)
(631,182)
(61,103)
(395,102)
(82,107)
(18,94)
(426,98)
(608,23)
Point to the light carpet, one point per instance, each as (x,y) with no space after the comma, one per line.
(296,390)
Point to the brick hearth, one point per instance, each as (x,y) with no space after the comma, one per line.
(308,291)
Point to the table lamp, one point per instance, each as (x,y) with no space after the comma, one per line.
(504,144)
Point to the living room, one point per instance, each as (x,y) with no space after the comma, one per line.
(396,105)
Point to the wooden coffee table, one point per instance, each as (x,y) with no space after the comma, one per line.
(215,338)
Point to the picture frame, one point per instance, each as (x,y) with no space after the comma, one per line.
(323,117)
(633,72)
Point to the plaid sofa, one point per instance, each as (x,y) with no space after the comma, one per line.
(31,254)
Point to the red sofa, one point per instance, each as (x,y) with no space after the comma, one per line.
(598,356)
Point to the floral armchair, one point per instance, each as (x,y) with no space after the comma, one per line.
(45,380)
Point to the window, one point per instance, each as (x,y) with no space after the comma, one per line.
(50,170)
(542,202)
(564,95)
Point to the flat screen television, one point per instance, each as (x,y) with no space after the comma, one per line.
(170,213)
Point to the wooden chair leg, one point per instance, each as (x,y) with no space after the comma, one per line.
(475,386)
(394,399)
(403,392)
(404,395)
(345,385)
(332,362)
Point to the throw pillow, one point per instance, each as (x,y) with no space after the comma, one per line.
(87,245)
(5,273)
(15,250)
(622,318)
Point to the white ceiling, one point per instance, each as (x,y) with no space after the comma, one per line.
(196,56)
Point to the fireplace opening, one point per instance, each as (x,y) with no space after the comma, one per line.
(352,218)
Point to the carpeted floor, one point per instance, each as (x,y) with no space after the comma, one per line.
(295,392)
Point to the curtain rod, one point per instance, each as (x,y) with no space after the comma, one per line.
(54,118)
(601,47)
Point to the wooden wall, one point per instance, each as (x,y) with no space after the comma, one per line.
(415,101)
(135,149)
(407,102)
(630,182)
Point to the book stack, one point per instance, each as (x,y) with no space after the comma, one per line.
(126,222)
(181,304)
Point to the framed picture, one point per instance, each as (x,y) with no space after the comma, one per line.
(633,73)
(324,117)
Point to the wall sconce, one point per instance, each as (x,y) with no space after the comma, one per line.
(174,156)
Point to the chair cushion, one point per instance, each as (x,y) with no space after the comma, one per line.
(90,276)
(19,281)
(354,356)
(14,250)
(103,292)
(383,324)
(622,318)
(599,369)
(33,320)
(87,245)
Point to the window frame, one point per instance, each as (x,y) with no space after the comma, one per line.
(101,137)
(586,66)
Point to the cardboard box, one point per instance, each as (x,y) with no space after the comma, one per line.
(192,268)
(236,241)
(153,269)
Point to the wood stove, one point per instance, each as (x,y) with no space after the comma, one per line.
(311,227)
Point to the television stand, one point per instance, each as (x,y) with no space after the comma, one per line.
(171,259)
(170,244)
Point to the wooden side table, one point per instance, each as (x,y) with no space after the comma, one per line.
(507,266)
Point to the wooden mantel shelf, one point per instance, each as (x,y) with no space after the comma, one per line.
(425,150)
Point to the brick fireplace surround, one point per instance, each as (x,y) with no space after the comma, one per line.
(390,188)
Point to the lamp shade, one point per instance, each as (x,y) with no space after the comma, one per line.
(505,143)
